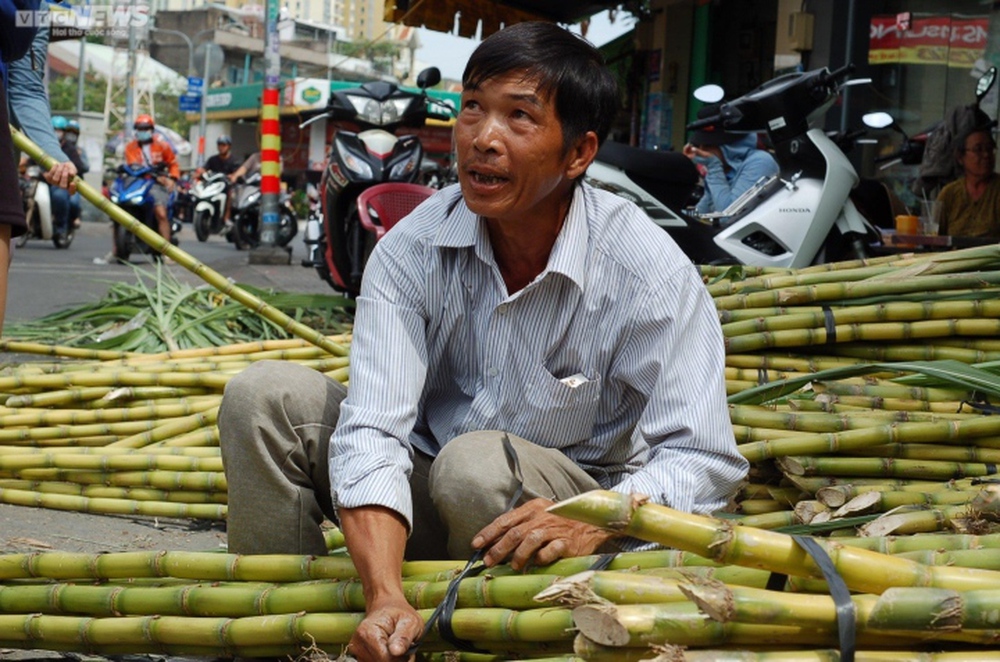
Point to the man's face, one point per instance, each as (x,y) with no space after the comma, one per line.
(510,150)
(223,149)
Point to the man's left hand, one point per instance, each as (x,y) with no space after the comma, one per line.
(62,174)
(166,182)
(529,534)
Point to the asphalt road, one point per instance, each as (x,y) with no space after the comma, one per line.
(43,280)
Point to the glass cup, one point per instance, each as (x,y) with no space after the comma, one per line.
(930,220)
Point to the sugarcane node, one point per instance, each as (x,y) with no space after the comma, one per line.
(600,624)
(571,591)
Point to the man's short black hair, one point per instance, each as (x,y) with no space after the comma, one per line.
(586,93)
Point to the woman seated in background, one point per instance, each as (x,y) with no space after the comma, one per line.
(970,205)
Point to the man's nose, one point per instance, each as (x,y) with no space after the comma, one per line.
(488,135)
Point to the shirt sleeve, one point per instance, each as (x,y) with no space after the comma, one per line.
(28,98)
(370,449)
(675,352)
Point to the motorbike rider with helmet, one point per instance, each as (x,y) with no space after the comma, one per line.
(223,161)
(68,143)
(150,148)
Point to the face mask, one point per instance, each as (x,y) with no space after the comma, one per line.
(71,138)
(144,136)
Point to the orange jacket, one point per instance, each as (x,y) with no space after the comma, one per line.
(159,152)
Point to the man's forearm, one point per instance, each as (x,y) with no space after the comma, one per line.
(376,540)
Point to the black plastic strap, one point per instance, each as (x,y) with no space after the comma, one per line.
(980,404)
(443,613)
(846,613)
(830,324)
(762,376)
(604,561)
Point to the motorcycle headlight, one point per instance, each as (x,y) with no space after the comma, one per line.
(353,163)
(379,113)
(402,170)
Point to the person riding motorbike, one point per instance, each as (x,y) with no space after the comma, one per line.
(68,143)
(730,163)
(223,161)
(150,148)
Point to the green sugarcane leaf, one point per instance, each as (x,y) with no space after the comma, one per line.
(952,373)
(826,527)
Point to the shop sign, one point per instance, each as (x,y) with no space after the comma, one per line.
(941,40)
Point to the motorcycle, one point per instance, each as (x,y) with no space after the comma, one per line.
(38,213)
(132,191)
(209,196)
(247,218)
(338,244)
(803,215)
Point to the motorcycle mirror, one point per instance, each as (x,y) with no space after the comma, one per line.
(985,83)
(429,77)
(856,81)
(878,120)
(710,93)
(313,119)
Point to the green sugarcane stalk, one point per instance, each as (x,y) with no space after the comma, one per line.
(933,452)
(109,450)
(897,352)
(833,442)
(99,393)
(797,364)
(66,433)
(836,496)
(762,417)
(103,462)
(796,279)
(161,245)
(171,428)
(105,506)
(885,389)
(728,543)
(929,609)
(923,520)
(984,559)
(813,484)
(909,544)
(61,351)
(113,378)
(137,494)
(845,292)
(52,417)
(204,481)
(877,466)
(196,438)
(888,312)
(863,332)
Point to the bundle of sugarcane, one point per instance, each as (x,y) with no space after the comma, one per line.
(115,432)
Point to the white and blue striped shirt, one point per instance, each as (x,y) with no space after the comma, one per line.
(441,349)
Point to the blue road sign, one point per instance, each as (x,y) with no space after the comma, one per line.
(190,103)
(196,84)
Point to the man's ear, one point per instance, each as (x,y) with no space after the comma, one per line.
(582,155)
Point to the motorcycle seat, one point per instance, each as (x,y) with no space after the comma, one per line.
(671,177)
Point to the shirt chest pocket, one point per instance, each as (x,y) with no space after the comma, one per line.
(560,411)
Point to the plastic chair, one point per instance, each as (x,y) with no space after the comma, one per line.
(383,205)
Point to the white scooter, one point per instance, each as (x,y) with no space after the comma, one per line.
(209,194)
(802,216)
(38,210)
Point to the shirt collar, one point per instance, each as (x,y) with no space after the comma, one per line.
(463,229)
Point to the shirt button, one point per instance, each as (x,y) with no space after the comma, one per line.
(492,372)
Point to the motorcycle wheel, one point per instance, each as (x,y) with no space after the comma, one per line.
(123,243)
(288,226)
(32,223)
(61,240)
(202,225)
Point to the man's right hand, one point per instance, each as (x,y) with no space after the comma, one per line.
(391,625)
(388,631)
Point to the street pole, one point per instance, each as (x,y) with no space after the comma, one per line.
(270,146)
(81,72)
(204,106)
(130,90)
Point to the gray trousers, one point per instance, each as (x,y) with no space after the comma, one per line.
(274,429)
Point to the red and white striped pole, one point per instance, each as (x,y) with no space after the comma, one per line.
(270,131)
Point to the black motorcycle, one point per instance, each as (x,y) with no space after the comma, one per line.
(247,215)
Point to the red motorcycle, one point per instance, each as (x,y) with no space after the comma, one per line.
(337,240)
